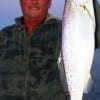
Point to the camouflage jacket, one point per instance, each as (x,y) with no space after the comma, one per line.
(28,65)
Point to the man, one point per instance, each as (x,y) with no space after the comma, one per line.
(29,51)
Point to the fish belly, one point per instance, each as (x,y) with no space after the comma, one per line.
(78,28)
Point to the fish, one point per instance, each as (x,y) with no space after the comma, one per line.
(78,45)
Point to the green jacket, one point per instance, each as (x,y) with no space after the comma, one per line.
(28,65)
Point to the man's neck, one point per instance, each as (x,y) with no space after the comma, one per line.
(31,24)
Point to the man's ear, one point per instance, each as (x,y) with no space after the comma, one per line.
(49,3)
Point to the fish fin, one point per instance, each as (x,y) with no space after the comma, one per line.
(88,87)
(62,75)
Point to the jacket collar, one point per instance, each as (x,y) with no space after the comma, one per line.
(19,19)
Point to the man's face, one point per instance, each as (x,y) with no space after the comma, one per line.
(35,8)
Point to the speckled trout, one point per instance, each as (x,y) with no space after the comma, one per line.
(78,28)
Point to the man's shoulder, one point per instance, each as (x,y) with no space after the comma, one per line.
(5,34)
(54,24)
(7,31)
(55,21)
(51,19)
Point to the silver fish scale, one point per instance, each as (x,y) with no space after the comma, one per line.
(78,45)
